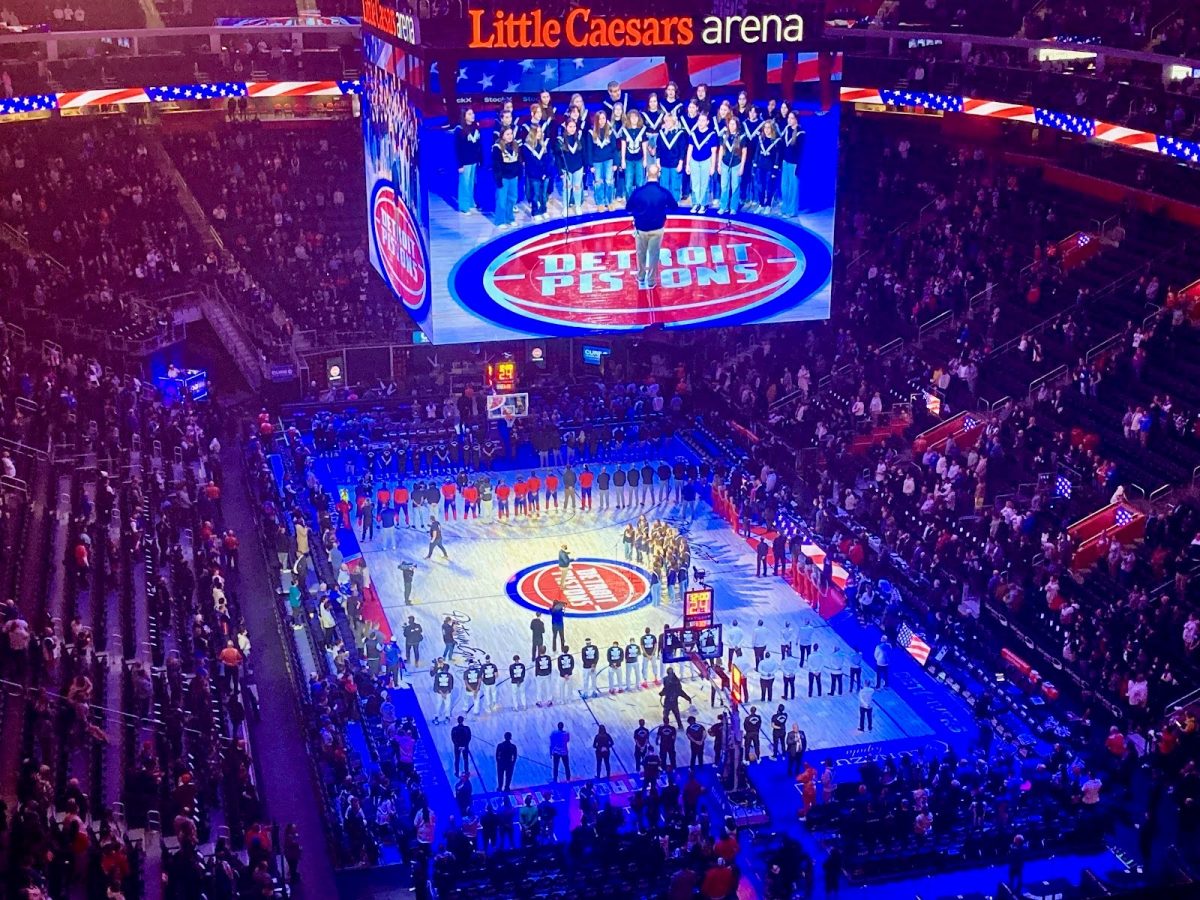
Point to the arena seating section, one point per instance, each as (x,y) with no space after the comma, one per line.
(124,734)
(317,256)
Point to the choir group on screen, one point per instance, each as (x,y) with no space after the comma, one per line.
(728,155)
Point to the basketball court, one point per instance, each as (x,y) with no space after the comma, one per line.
(500,573)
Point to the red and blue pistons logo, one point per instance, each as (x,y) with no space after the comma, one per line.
(589,588)
(578,276)
(402,255)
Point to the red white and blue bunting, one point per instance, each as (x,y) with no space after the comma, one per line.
(1095,129)
(175,93)
(1130,138)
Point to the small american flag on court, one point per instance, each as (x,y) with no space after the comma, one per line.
(912,642)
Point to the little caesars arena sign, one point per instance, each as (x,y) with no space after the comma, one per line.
(582,29)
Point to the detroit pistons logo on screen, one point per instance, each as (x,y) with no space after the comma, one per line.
(592,587)
(581,276)
(401,251)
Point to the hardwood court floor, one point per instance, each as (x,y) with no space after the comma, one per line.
(484,554)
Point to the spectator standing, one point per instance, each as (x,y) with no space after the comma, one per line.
(1016,864)
(460,737)
(866,708)
(882,662)
(602,743)
(506,762)
(560,741)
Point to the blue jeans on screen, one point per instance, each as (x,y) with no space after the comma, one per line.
(466,187)
(672,181)
(635,174)
(789,185)
(506,201)
(701,175)
(535,189)
(573,189)
(602,190)
(731,182)
(764,185)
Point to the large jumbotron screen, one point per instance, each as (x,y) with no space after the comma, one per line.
(532,238)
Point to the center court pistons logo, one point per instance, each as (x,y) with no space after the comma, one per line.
(593,587)
(401,250)
(577,276)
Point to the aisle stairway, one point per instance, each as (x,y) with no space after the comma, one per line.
(1156,244)
(152,138)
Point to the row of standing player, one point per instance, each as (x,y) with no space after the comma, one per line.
(421,454)
(636,665)
(628,486)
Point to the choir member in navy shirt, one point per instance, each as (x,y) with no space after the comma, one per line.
(601,146)
(731,164)
(768,147)
(506,168)
(671,151)
(535,153)
(635,147)
(699,161)
(571,159)
(616,97)
(671,101)
(790,155)
(652,115)
(468,155)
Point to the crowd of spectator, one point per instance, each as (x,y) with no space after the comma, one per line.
(1128,630)
(1116,23)
(112,757)
(71,15)
(98,206)
(290,206)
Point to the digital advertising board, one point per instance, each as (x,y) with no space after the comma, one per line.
(397,211)
(499,200)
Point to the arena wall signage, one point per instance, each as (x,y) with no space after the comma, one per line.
(391,22)
(582,28)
